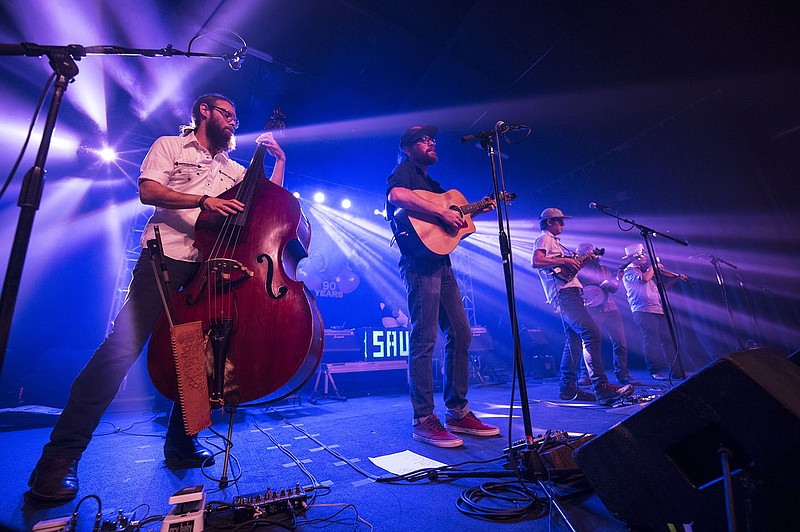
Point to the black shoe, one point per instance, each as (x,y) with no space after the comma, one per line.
(658,376)
(54,479)
(185,452)
(608,394)
(627,378)
(573,393)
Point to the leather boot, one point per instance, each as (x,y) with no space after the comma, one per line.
(182,451)
(54,479)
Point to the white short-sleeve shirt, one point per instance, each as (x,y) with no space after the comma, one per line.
(182,164)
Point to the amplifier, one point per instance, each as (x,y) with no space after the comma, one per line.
(481,340)
(342,340)
(342,345)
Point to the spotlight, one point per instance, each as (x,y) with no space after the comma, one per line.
(296,195)
(378,212)
(107,154)
(319,197)
(346,203)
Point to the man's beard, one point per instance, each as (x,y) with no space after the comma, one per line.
(430,157)
(219,137)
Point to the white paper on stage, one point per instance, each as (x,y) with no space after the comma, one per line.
(404,462)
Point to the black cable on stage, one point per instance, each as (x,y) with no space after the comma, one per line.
(28,137)
(324,446)
(520,502)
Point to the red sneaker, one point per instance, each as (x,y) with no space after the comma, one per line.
(469,424)
(430,430)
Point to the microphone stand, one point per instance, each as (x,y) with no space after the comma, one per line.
(715,262)
(487,143)
(62,61)
(527,448)
(758,341)
(647,234)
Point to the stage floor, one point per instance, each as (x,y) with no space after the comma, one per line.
(328,444)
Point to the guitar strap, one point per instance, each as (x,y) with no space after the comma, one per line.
(565,248)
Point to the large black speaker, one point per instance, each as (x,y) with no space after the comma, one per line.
(661,465)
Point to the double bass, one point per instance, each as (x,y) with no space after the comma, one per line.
(261,324)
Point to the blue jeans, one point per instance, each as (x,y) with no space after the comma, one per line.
(611,323)
(582,337)
(98,382)
(655,335)
(434,300)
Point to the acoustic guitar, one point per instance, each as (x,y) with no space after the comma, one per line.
(421,234)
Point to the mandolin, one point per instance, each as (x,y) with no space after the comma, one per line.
(567,273)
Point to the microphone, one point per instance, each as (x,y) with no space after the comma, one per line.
(600,206)
(502,127)
(482,135)
(235,62)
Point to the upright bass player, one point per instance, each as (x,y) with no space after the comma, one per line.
(181,176)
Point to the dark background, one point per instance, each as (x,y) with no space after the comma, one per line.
(682,116)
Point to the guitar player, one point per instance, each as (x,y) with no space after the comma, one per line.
(581,333)
(434,299)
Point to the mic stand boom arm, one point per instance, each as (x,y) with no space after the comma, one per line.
(76,52)
(647,234)
(62,61)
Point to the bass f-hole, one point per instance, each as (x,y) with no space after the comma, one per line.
(282,290)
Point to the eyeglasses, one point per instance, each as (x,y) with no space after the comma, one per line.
(227,115)
(427,140)
(559,221)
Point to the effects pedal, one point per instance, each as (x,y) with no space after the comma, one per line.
(59,524)
(187,514)
(289,501)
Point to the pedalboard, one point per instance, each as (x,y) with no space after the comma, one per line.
(289,501)
(551,452)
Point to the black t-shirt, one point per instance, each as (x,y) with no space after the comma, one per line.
(410,176)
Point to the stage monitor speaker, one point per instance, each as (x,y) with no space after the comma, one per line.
(661,466)
(795,357)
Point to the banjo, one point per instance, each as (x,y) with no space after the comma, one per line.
(594,296)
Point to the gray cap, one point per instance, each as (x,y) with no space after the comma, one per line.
(552,212)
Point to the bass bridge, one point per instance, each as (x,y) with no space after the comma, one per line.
(224,273)
(228,271)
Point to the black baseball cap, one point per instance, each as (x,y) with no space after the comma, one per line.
(414,133)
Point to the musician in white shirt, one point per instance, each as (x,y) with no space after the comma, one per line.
(582,336)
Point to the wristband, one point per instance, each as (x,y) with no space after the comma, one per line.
(201,202)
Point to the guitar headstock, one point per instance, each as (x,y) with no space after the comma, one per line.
(505,196)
